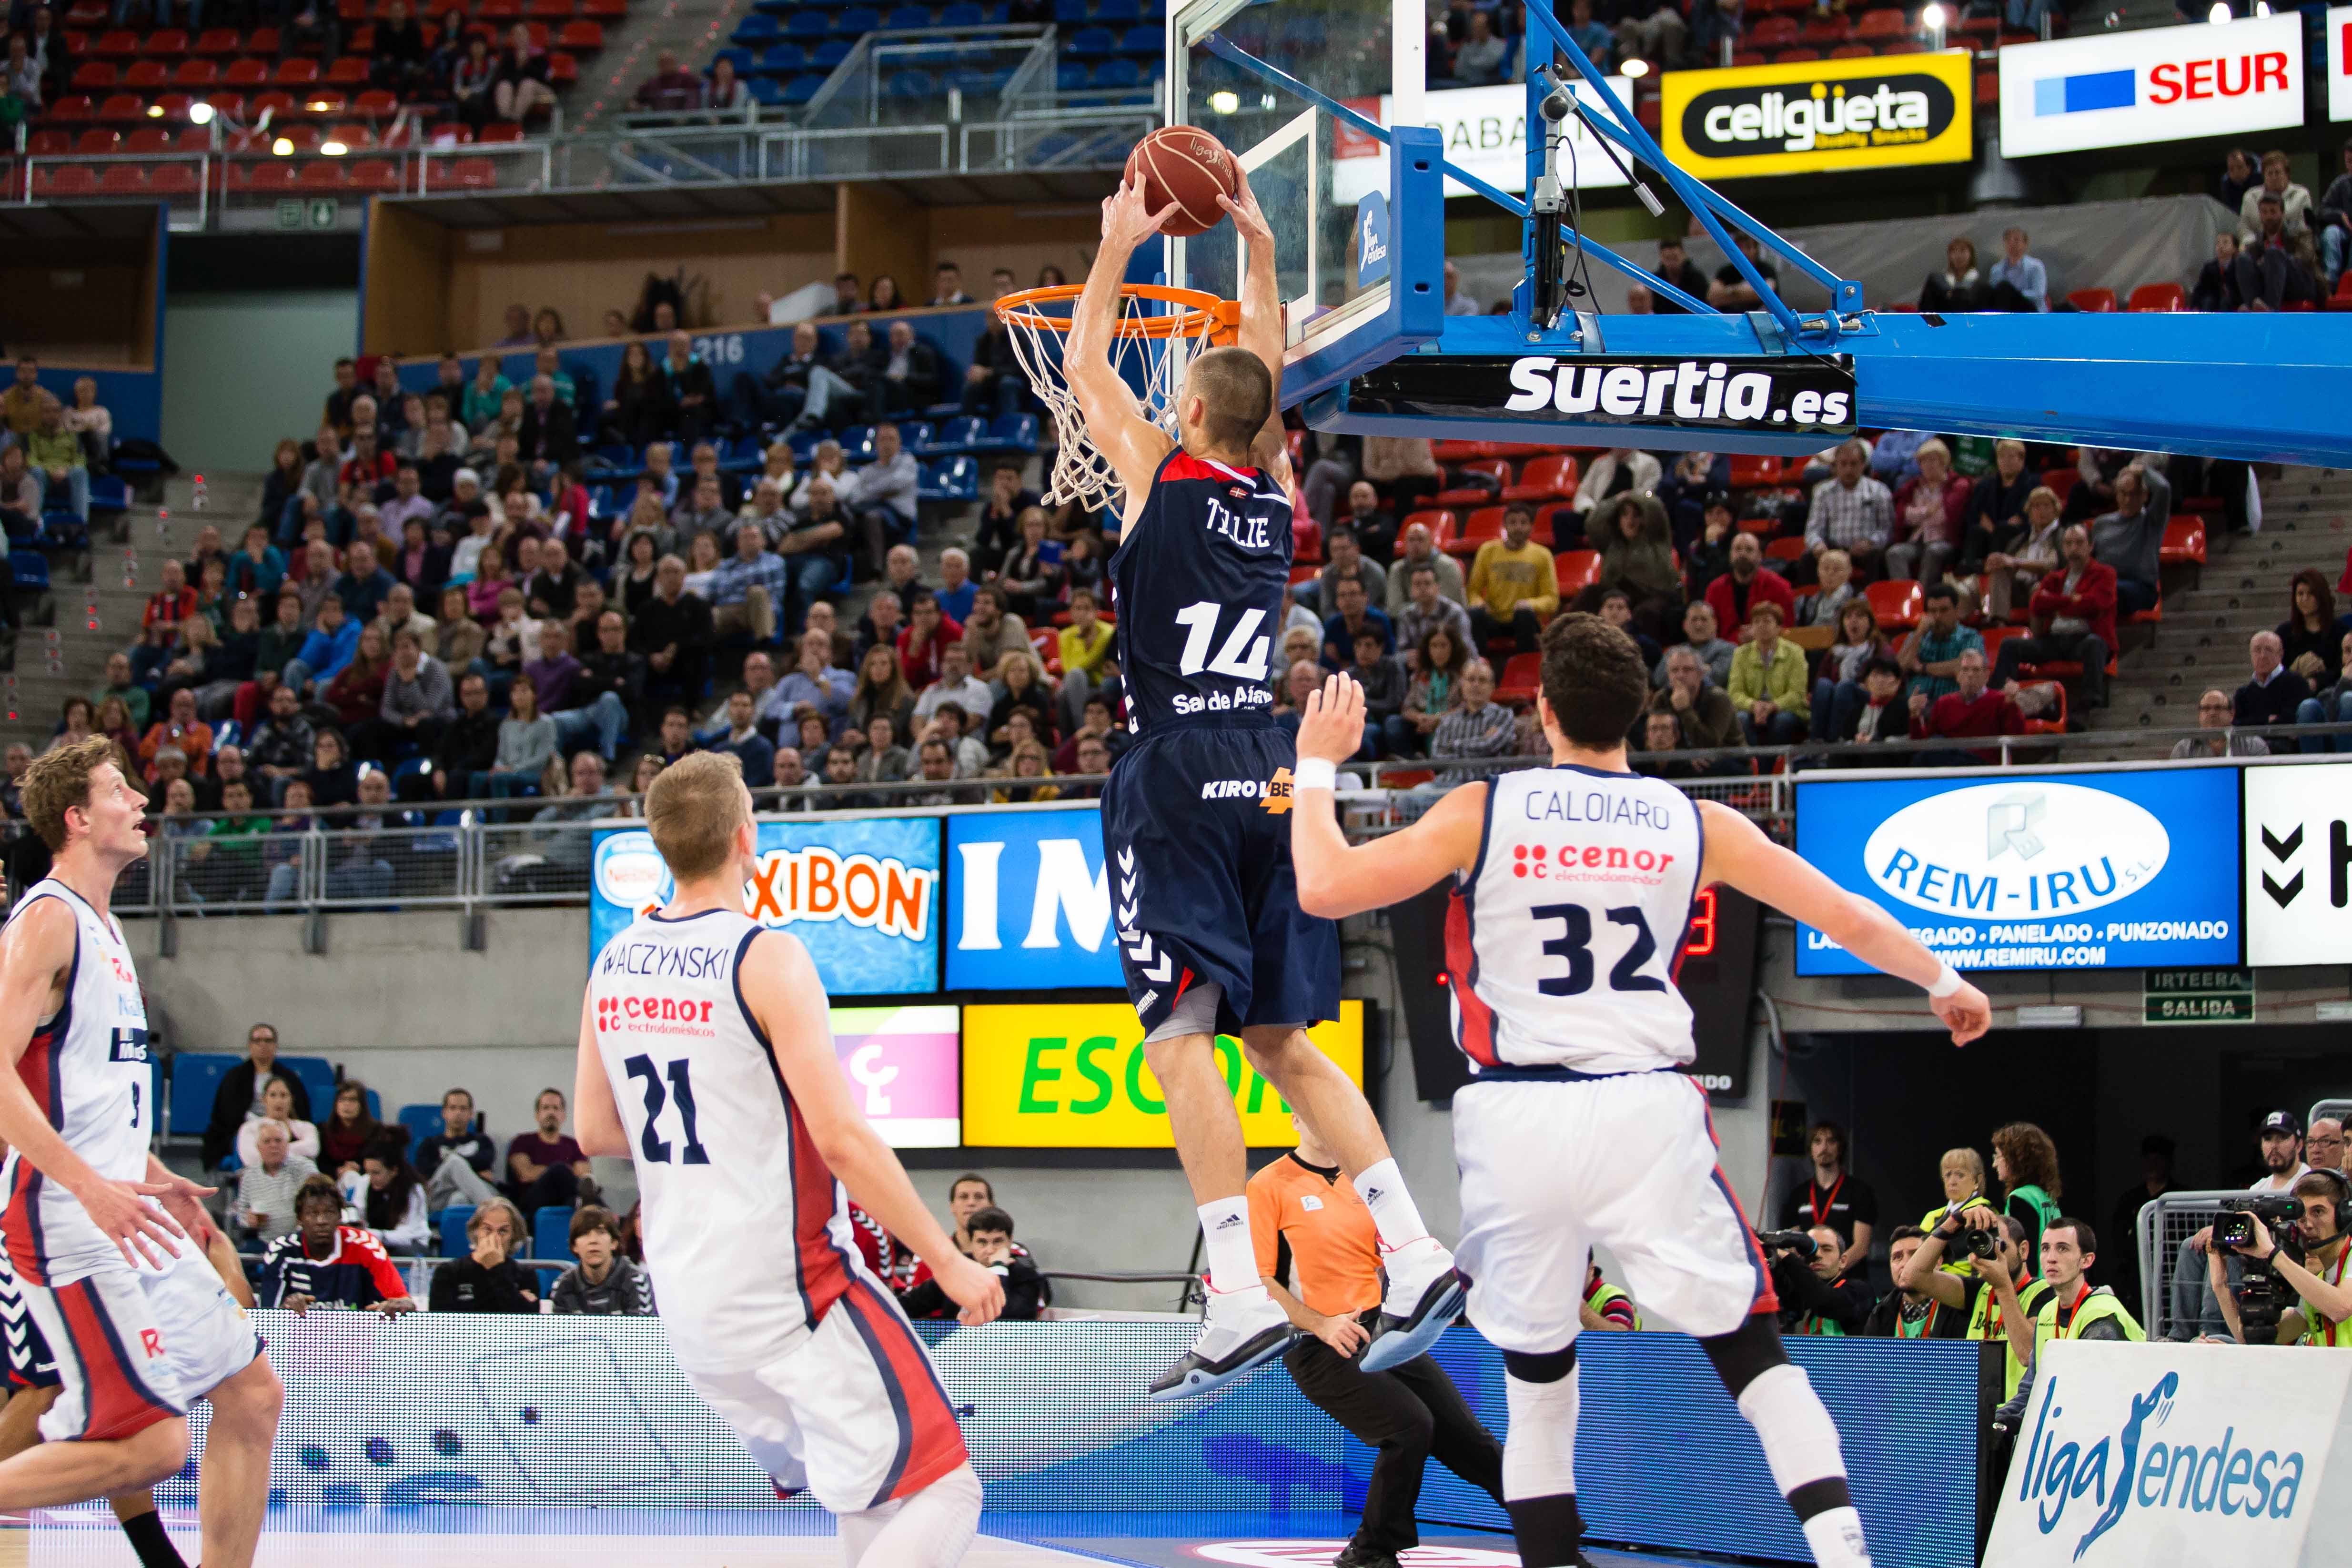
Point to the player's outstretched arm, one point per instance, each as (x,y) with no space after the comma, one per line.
(595,1115)
(1133,444)
(36,953)
(780,987)
(1261,330)
(1336,879)
(1739,855)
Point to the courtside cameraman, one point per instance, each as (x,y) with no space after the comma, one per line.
(2316,1276)
(1999,1308)
(1817,1297)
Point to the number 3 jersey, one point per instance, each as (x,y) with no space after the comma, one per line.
(1197,584)
(1563,939)
(747,1231)
(87,1068)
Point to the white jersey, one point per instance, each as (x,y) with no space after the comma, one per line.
(87,1068)
(746,1231)
(1562,938)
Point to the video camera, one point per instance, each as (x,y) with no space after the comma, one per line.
(1795,1241)
(2262,1296)
(2235,1228)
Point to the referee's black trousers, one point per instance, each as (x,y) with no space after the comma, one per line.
(1409,1415)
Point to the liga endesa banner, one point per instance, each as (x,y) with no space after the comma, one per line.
(2187,1456)
(860,895)
(1073,1077)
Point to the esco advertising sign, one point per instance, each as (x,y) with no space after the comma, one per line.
(2157,84)
(1818,115)
(2196,1456)
(2061,870)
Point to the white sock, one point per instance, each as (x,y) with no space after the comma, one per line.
(1539,1449)
(932,1528)
(1835,1537)
(1233,1254)
(1800,1445)
(1382,1188)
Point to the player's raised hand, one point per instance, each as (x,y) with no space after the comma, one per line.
(1332,727)
(120,1209)
(1242,207)
(1126,221)
(979,1291)
(1965,1012)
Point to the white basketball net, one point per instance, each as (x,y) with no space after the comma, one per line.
(1152,342)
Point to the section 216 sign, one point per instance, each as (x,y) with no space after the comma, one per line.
(2034,871)
(860,895)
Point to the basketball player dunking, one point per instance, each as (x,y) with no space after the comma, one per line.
(1210,935)
(1572,886)
(706,1054)
(146,1326)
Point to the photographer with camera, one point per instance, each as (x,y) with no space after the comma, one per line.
(2074,1309)
(1963,1174)
(1809,1276)
(1998,1295)
(1909,1312)
(2304,1258)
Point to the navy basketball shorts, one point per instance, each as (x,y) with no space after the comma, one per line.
(1196,832)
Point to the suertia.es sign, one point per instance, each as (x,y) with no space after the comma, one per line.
(2158,84)
(1808,394)
(1816,115)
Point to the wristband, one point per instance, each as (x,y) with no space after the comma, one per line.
(1948,981)
(1314,772)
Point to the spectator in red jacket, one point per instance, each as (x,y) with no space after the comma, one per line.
(174,601)
(1738,591)
(2073,613)
(1972,712)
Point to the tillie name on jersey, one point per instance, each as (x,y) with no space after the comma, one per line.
(1594,805)
(1244,528)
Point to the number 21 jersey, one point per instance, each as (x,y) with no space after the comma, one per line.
(746,1230)
(1197,584)
(1561,941)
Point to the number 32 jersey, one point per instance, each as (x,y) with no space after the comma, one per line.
(1563,939)
(746,1230)
(1197,584)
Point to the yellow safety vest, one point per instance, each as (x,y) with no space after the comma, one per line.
(1966,1267)
(2318,1331)
(2100,1305)
(1984,1323)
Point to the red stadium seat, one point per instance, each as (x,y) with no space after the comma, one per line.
(1797,56)
(375,174)
(49,143)
(121,44)
(605,10)
(1887,22)
(196,73)
(248,72)
(1496,469)
(65,180)
(500,13)
(1544,479)
(1522,678)
(96,142)
(1823,32)
(148,139)
(123,108)
(563,69)
(166,44)
(325,102)
(94,75)
(1852,52)
(219,43)
(1897,602)
(1774,33)
(172,180)
(1577,570)
(275,104)
(2342,299)
(550,10)
(2184,543)
(469,173)
(352,71)
(88,14)
(262,43)
(499,130)
(146,76)
(376,104)
(195,139)
(297,73)
(1753,471)
(1465,451)
(2158,296)
(122,180)
(2094,300)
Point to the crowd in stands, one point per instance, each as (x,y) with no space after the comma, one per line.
(48,451)
(331,1215)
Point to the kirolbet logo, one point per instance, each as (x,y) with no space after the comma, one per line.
(1899,109)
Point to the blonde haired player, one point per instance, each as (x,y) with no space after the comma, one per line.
(706,1056)
(146,1326)
(1573,886)
(1211,937)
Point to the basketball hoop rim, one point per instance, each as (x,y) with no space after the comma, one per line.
(1203,314)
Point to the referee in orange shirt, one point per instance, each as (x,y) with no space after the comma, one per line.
(1305,1213)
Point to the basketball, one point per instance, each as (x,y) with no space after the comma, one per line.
(1186,166)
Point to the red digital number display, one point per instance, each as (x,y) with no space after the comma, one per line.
(1699,940)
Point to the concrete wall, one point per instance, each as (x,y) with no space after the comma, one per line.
(398,1001)
(243,370)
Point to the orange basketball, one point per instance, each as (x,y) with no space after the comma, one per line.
(1186,166)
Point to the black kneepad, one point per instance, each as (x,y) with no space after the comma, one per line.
(1746,1354)
(1549,1367)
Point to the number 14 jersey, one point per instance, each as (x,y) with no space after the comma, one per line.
(1197,584)
(746,1230)
(1564,939)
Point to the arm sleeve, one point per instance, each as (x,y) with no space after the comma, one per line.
(566,1296)
(271,1289)
(1023,1291)
(1545,600)
(641,1294)
(415,1227)
(389,1285)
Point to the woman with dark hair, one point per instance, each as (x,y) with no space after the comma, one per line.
(1433,691)
(639,410)
(331,778)
(548,325)
(285,479)
(344,1141)
(390,1194)
(2025,1162)
(1052,277)
(882,294)
(2310,632)
(1859,641)
(1959,285)
(882,690)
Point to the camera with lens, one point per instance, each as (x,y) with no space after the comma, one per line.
(1788,1241)
(2235,1228)
(2261,1294)
(1973,1241)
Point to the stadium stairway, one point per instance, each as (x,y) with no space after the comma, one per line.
(2209,615)
(694,28)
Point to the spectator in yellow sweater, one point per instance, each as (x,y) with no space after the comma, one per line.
(1085,647)
(1513,590)
(1767,681)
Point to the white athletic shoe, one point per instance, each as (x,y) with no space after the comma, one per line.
(1241,1330)
(1424,1296)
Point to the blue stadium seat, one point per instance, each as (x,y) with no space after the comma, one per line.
(1117,13)
(766,91)
(63,530)
(318,1076)
(774,7)
(810,27)
(742,60)
(1118,73)
(107,493)
(1143,41)
(1092,44)
(781,59)
(423,1121)
(830,53)
(1070,76)
(1047,149)
(551,1232)
(907,19)
(31,567)
(857,20)
(951,479)
(1011,433)
(978,83)
(1069,12)
(858,443)
(745,456)
(803,443)
(757,32)
(800,88)
(454,1221)
(195,1080)
(961,435)
(913,85)
(963,15)
(913,434)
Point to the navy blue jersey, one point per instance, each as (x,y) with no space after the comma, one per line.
(1197,584)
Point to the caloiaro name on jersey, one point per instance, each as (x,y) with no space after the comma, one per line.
(1596,805)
